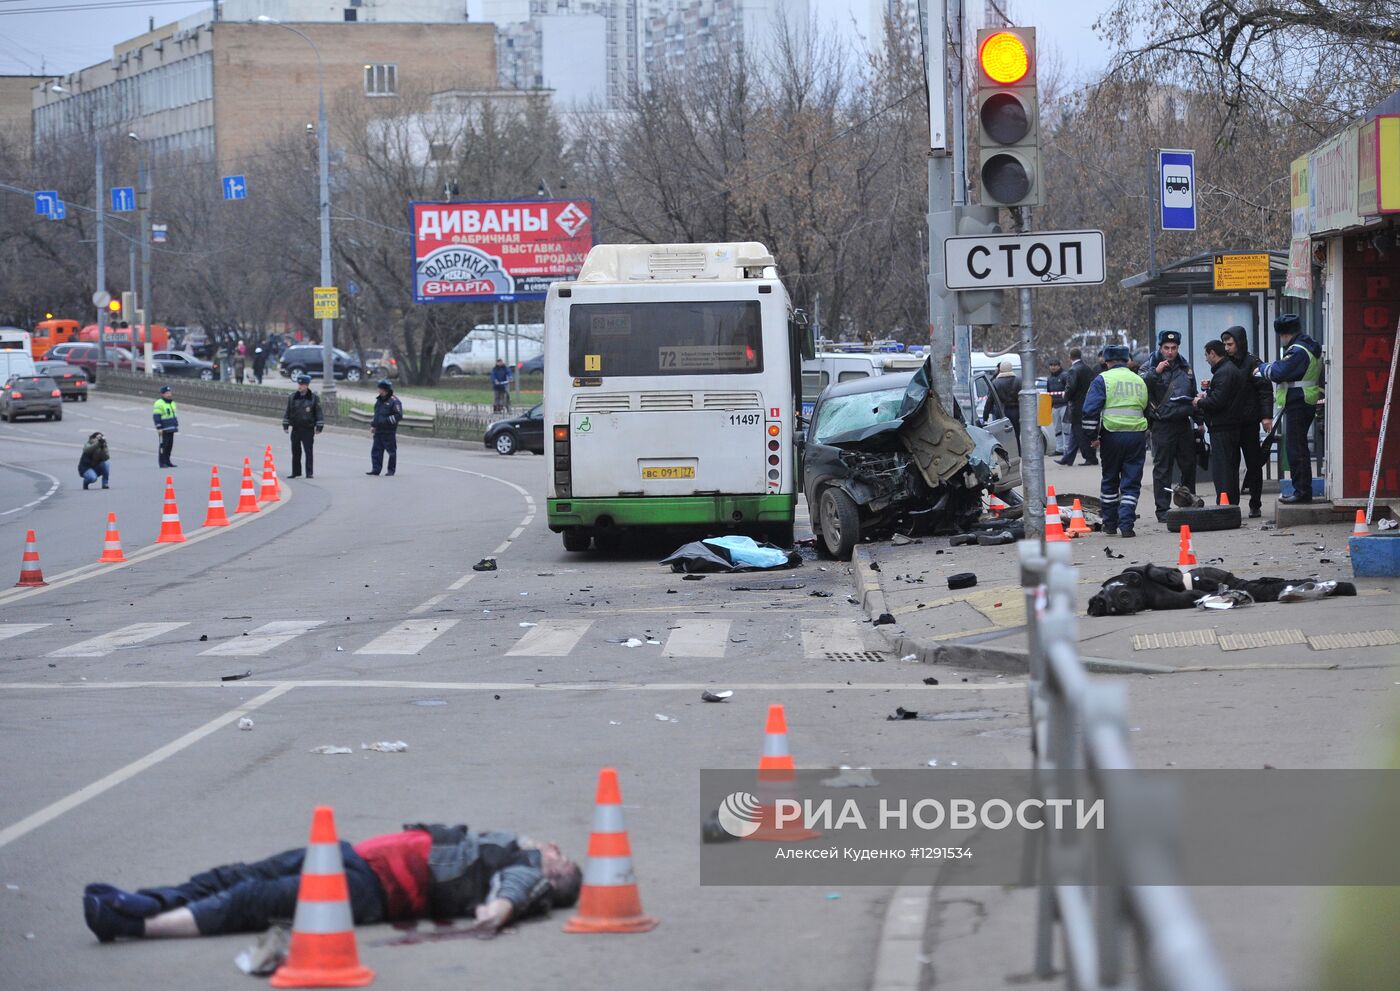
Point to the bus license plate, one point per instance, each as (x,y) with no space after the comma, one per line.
(668,471)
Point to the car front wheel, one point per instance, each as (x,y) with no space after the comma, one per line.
(294,371)
(453,371)
(506,442)
(353,375)
(840,520)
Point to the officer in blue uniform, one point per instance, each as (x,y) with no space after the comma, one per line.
(1115,421)
(388,411)
(1297,377)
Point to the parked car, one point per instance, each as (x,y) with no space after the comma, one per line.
(307,359)
(31,395)
(184,365)
(84,356)
(519,432)
(57,352)
(380,363)
(534,366)
(72,381)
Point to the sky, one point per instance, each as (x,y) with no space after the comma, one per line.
(54,41)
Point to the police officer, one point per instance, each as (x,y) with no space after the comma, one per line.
(388,411)
(303,418)
(1298,388)
(167,423)
(1171,386)
(1116,422)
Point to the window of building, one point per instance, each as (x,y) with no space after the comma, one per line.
(351,14)
(382,79)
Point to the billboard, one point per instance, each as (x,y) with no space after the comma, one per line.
(497,252)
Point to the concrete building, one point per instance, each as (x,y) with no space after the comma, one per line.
(684,34)
(219,90)
(586,51)
(15,108)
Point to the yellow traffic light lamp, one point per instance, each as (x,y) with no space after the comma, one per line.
(1008,154)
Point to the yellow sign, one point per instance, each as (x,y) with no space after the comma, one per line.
(593,363)
(669,471)
(1378,166)
(1242,271)
(325,302)
(1045,410)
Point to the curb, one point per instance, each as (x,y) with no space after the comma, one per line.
(1002,660)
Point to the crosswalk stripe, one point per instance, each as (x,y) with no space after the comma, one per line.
(8,630)
(698,638)
(551,638)
(263,639)
(409,637)
(823,636)
(126,636)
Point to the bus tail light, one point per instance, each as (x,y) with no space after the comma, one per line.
(563,476)
(774,429)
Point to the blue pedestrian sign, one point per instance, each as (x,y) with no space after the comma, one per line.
(235,187)
(1176,180)
(45,201)
(123,199)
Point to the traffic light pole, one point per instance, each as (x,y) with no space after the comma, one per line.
(942,308)
(144,177)
(962,333)
(101,256)
(1032,440)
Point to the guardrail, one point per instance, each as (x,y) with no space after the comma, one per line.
(1079,728)
(251,399)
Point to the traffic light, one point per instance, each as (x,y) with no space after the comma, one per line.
(978,307)
(114,306)
(1008,114)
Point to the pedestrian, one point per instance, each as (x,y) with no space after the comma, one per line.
(501,375)
(494,877)
(1055,386)
(388,411)
(1259,414)
(1077,381)
(1007,389)
(1116,421)
(167,423)
(240,361)
(259,361)
(95,461)
(1225,404)
(1171,387)
(304,420)
(1299,387)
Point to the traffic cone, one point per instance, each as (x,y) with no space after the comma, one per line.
(112,543)
(777,779)
(216,515)
(30,574)
(1077,525)
(322,953)
(270,490)
(996,506)
(1359,528)
(247,498)
(1224,498)
(608,901)
(170,532)
(1052,508)
(1186,556)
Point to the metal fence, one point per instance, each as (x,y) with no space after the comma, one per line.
(463,421)
(1079,725)
(250,399)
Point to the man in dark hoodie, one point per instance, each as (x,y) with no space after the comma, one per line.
(1298,380)
(1236,340)
(1171,385)
(1225,405)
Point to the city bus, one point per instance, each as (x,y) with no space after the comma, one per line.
(672,380)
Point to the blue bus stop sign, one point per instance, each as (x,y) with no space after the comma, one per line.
(1176,180)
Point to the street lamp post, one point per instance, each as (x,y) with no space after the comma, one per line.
(101,194)
(323,149)
(143,183)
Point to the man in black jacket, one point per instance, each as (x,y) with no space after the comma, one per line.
(388,411)
(1055,386)
(1236,341)
(1225,405)
(1171,385)
(303,418)
(1077,381)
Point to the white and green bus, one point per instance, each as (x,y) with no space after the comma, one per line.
(672,383)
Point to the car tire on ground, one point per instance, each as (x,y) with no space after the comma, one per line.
(840,522)
(353,375)
(506,442)
(206,374)
(294,371)
(577,540)
(452,372)
(1204,518)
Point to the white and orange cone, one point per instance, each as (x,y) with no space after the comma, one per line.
(1186,555)
(247,498)
(170,531)
(777,780)
(112,543)
(609,901)
(1359,528)
(216,516)
(995,506)
(30,574)
(1077,525)
(270,492)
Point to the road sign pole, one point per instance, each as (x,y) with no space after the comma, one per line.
(942,310)
(962,333)
(1153,214)
(144,177)
(1032,440)
(101,254)
(327,326)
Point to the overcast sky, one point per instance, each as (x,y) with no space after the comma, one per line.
(55,42)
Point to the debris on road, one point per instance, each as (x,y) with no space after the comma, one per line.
(819,594)
(427,701)
(235,677)
(902,713)
(731,554)
(329,749)
(884,619)
(1308,591)
(722,696)
(386,746)
(631,642)
(267,954)
(963,579)
(1229,598)
(786,586)
(852,777)
(485,564)
(693,578)
(661,717)
(204,638)
(526,626)
(930,681)
(245,723)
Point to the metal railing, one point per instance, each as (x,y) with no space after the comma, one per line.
(1078,733)
(250,399)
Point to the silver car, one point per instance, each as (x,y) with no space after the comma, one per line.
(31,395)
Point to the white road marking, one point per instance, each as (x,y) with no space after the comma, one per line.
(263,639)
(698,638)
(53,487)
(126,636)
(499,686)
(423,607)
(823,636)
(552,638)
(8,630)
(409,637)
(47,814)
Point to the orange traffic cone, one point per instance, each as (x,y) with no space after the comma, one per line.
(1359,528)
(1054,527)
(247,498)
(322,953)
(30,574)
(996,506)
(1050,495)
(216,515)
(777,779)
(270,491)
(609,901)
(112,543)
(1077,525)
(1224,498)
(170,532)
(1186,556)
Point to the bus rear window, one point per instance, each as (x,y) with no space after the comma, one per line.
(648,339)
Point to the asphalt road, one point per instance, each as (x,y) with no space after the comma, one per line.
(353,607)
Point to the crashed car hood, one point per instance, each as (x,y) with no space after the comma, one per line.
(936,440)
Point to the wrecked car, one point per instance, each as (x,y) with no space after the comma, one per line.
(881,456)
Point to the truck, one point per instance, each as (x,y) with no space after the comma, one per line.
(478,349)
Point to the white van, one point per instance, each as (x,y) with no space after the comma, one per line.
(13,363)
(476,352)
(843,366)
